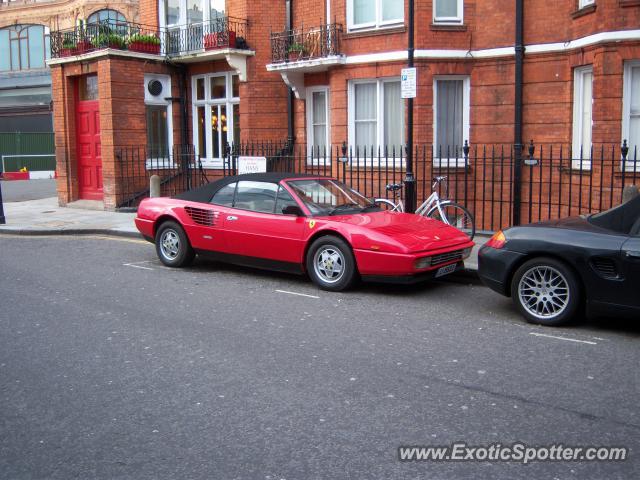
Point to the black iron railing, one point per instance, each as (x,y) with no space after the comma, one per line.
(179,170)
(98,36)
(221,32)
(306,43)
(556,183)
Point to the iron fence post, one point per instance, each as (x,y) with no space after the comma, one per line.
(3,220)
(410,181)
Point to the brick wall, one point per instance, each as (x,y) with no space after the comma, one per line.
(548,78)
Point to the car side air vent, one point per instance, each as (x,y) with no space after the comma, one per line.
(605,267)
(202,216)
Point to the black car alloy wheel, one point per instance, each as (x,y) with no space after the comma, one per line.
(546,291)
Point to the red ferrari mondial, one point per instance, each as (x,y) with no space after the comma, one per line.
(300,224)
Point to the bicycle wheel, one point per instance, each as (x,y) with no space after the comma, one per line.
(455,215)
(386,204)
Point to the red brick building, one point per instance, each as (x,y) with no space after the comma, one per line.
(224,70)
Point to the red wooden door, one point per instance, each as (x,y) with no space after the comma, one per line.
(88,150)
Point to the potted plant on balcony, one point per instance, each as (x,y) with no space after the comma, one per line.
(109,40)
(139,42)
(295,52)
(83,45)
(219,40)
(68,48)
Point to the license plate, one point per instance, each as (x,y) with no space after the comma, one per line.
(446,270)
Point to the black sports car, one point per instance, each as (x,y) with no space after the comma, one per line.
(554,269)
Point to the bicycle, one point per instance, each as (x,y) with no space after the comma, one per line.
(447,211)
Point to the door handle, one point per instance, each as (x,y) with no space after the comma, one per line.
(232,218)
(633,254)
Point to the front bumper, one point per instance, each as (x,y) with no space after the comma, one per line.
(400,267)
(495,268)
(412,278)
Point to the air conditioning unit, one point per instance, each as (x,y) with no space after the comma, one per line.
(157,88)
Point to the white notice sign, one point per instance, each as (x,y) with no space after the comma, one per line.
(251,165)
(408,82)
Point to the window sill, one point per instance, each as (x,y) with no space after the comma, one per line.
(374,31)
(448,27)
(450,163)
(629,3)
(584,11)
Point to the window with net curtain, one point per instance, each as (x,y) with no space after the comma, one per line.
(634,112)
(23,47)
(377,11)
(448,10)
(449,117)
(375,129)
(319,122)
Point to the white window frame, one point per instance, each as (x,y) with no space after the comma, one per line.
(630,165)
(182,21)
(376,24)
(466,114)
(312,157)
(229,102)
(578,89)
(458,20)
(379,120)
(156,162)
(585,3)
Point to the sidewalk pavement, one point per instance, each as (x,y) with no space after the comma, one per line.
(45,217)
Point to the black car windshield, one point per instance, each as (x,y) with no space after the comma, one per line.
(329,197)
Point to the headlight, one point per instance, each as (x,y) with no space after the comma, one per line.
(424,262)
(466,253)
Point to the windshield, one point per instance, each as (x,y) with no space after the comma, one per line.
(329,197)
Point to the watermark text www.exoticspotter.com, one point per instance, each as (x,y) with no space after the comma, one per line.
(517,452)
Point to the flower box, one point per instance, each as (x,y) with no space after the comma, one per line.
(67,52)
(220,40)
(144,47)
(83,46)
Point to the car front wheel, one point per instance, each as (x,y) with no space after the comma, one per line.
(172,245)
(330,264)
(546,292)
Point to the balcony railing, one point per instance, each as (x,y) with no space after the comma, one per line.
(219,33)
(306,44)
(116,35)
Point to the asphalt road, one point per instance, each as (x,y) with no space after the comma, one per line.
(23,190)
(112,366)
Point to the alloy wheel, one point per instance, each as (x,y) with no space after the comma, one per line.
(544,292)
(329,264)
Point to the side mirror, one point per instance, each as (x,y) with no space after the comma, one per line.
(293,210)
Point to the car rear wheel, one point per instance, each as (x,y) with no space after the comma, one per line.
(546,292)
(172,246)
(330,264)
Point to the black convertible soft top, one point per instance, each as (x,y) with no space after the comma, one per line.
(624,218)
(204,193)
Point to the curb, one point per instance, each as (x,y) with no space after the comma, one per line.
(69,232)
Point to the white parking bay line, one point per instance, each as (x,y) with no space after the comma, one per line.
(137,265)
(562,338)
(297,294)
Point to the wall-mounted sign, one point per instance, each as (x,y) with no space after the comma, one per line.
(408,83)
(252,165)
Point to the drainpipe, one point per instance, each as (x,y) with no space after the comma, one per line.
(517,124)
(290,114)
(184,124)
